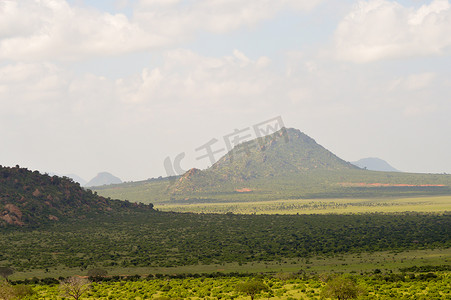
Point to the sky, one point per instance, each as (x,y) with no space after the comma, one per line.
(127,87)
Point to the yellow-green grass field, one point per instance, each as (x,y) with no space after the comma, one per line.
(280,286)
(435,204)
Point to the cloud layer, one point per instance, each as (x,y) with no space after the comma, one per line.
(52,29)
(65,93)
(381,29)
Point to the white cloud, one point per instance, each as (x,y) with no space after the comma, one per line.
(55,30)
(185,82)
(28,86)
(142,107)
(381,29)
(31,30)
(189,98)
(196,80)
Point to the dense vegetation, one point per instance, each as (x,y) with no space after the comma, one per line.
(172,239)
(279,286)
(30,198)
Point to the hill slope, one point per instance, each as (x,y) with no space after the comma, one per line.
(31,198)
(284,153)
(374,164)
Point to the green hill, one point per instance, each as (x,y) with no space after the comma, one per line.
(285,165)
(285,153)
(31,198)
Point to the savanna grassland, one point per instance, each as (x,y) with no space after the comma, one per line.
(165,255)
(314,185)
(433,204)
(387,247)
(407,285)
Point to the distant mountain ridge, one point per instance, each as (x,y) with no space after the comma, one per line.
(374,164)
(31,198)
(74,177)
(103,178)
(285,152)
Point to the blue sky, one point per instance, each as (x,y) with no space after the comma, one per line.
(119,86)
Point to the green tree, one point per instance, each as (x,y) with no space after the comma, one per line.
(252,287)
(5,272)
(342,288)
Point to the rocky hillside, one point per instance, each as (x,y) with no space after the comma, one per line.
(31,198)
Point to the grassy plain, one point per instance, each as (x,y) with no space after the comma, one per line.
(435,204)
(315,185)
(346,263)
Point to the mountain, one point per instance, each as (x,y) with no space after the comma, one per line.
(103,178)
(74,177)
(283,153)
(374,164)
(31,198)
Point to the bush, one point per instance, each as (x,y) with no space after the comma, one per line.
(21,291)
(97,272)
(252,287)
(342,288)
(8,291)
